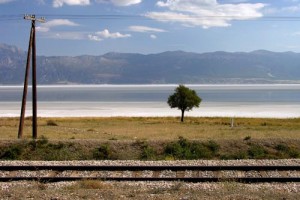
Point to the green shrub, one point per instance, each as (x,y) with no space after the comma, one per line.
(148,153)
(34,144)
(294,153)
(103,152)
(257,152)
(183,142)
(199,150)
(174,150)
(183,149)
(287,152)
(213,146)
(43,140)
(57,146)
(282,147)
(12,153)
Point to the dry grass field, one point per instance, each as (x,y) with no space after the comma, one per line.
(120,138)
(155,128)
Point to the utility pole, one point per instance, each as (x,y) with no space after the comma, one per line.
(31,49)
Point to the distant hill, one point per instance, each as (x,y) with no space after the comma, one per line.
(168,67)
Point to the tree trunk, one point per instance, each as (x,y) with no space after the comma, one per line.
(182,115)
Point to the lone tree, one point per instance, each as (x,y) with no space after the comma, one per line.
(184,99)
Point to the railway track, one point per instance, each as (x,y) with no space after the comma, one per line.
(245,174)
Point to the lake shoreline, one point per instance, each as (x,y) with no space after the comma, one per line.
(262,101)
(153,109)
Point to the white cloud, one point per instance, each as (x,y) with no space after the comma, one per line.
(283,10)
(234,1)
(42,29)
(60,22)
(41,2)
(60,3)
(120,2)
(66,35)
(153,36)
(5,1)
(56,22)
(105,34)
(94,38)
(145,29)
(205,13)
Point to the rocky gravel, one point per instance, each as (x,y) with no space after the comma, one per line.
(284,162)
(146,173)
(149,190)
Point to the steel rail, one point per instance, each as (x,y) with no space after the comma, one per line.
(134,177)
(150,168)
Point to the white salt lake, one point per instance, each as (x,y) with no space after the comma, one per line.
(264,101)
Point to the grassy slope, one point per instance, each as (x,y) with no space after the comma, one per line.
(147,138)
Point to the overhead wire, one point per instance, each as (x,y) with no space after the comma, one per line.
(143,17)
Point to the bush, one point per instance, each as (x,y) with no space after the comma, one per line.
(287,152)
(213,146)
(148,153)
(174,150)
(199,150)
(183,149)
(103,152)
(43,140)
(33,144)
(51,123)
(57,146)
(247,138)
(12,153)
(257,152)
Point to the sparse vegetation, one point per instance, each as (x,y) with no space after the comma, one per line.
(151,139)
(247,138)
(184,149)
(257,152)
(154,128)
(51,123)
(102,153)
(286,151)
(13,152)
(148,152)
(181,148)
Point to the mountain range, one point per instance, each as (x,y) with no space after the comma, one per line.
(259,66)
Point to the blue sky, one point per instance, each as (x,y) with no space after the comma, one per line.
(95,27)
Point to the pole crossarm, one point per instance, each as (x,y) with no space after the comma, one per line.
(33,18)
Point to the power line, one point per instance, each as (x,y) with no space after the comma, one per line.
(143,17)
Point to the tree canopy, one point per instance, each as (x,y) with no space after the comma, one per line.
(184,99)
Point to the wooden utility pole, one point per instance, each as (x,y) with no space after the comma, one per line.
(31,49)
